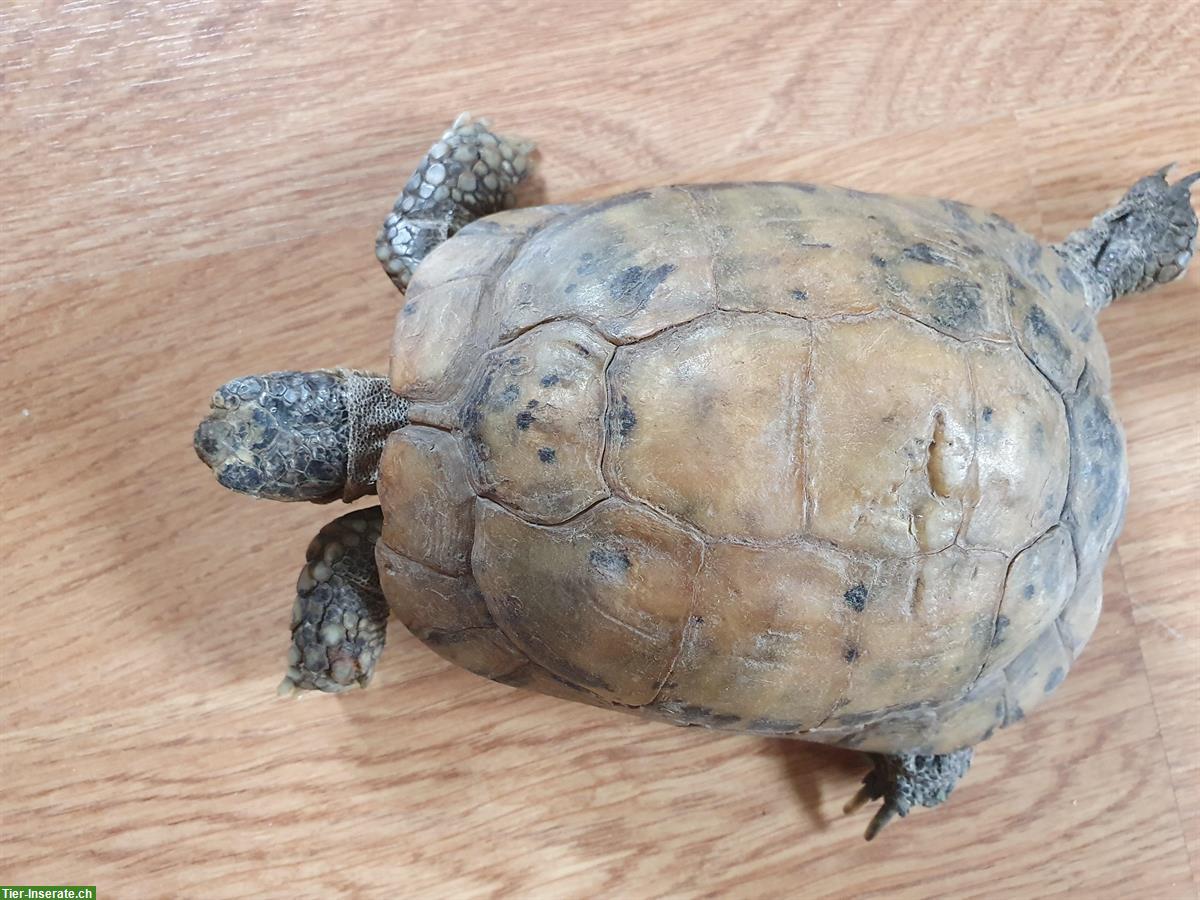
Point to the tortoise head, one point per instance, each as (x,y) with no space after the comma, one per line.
(283,435)
(300,435)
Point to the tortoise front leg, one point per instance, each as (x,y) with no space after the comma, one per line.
(466,175)
(339,620)
(909,780)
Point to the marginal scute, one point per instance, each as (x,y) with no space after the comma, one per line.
(889,397)
(532,677)
(427,498)
(473,253)
(1081,613)
(523,220)
(1043,336)
(1099,484)
(938,728)
(942,276)
(1040,581)
(440,334)
(447,614)
(629,267)
(532,422)
(793,249)
(924,630)
(707,423)
(768,640)
(600,601)
(1035,673)
(1022,452)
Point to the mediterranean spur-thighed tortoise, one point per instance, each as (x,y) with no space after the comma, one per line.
(773,458)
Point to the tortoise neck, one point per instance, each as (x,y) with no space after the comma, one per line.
(374,411)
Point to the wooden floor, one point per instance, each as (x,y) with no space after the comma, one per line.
(191,191)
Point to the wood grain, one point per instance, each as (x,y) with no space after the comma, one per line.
(191,193)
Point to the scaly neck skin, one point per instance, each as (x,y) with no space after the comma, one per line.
(1147,239)
(374,412)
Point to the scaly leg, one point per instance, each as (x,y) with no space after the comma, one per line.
(468,174)
(1148,238)
(909,780)
(340,617)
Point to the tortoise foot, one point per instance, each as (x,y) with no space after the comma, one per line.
(339,620)
(908,780)
(469,173)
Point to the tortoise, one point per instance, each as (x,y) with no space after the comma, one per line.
(772,458)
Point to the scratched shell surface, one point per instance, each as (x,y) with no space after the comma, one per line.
(771,458)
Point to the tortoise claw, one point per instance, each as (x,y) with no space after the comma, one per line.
(908,780)
(882,816)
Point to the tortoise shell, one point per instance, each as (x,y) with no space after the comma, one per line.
(770,458)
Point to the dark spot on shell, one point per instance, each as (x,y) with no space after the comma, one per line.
(1068,280)
(1002,623)
(850,654)
(440,637)
(1001,222)
(1041,326)
(515,361)
(1028,592)
(1015,713)
(806,188)
(410,308)
(856,597)
(1100,466)
(685,714)
(509,395)
(698,620)
(626,419)
(1055,679)
(987,734)
(472,416)
(1037,438)
(799,294)
(532,404)
(959,212)
(581,350)
(773,726)
(610,562)
(804,240)
(634,285)
(570,288)
(987,413)
(956,304)
(922,252)
(549,380)
(525,419)
(878,261)
(1045,346)
(587,264)
(546,454)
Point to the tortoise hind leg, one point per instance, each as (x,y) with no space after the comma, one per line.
(1147,239)
(469,173)
(909,780)
(340,616)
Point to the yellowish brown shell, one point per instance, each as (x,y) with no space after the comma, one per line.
(765,457)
